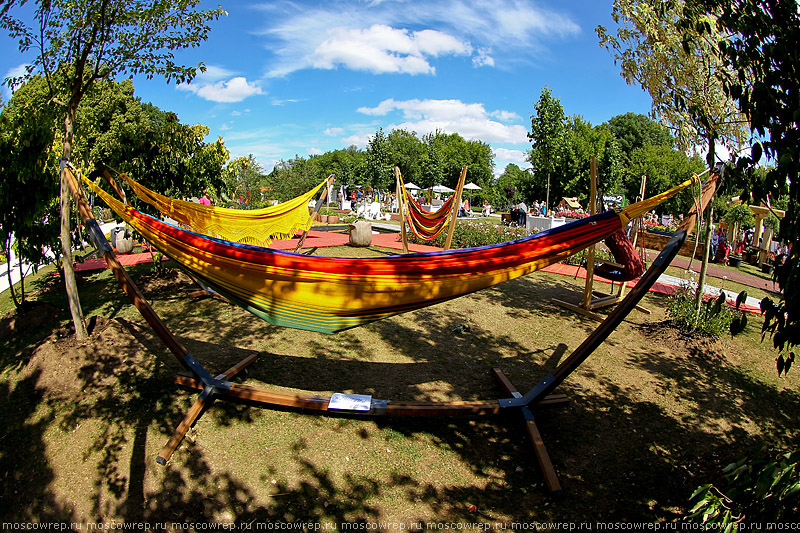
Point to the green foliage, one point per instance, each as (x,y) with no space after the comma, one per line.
(292,178)
(29,188)
(740,217)
(470,234)
(549,136)
(756,42)
(679,74)
(715,316)
(244,179)
(760,487)
(634,130)
(664,168)
(379,169)
(584,141)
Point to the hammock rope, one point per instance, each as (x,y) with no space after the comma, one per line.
(330,294)
(256,226)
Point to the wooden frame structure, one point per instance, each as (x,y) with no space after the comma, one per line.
(593,299)
(451,226)
(220,386)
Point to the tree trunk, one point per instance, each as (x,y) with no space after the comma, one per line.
(66,240)
(10,280)
(701,282)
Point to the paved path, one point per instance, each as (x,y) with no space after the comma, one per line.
(718,272)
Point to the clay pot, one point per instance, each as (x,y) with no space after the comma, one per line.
(361,233)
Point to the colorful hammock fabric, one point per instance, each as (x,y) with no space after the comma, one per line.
(631,265)
(427,225)
(256,226)
(330,294)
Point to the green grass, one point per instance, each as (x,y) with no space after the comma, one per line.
(652,414)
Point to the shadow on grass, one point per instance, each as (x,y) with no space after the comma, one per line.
(619,455)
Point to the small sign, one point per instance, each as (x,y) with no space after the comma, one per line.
(350,402)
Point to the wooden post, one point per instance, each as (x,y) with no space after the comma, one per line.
(401,205)
(587,293)
(317,207)
(456,207)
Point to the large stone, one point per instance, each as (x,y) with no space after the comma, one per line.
(361,233)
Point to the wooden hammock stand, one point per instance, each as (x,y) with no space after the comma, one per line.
(220,386)
(403,208)
(593,299)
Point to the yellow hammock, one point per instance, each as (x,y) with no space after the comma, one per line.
(249,226)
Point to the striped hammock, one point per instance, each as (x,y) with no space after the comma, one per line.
(427,225)
(250,226)
(330,294)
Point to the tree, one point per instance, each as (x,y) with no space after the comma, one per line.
(681,77)
(83,41)
(430,164)
(664,168)
(511,186)
(758,45)
(634,130)
(244,179)
(379,170)
(548,131)
(405,151)
(582,141)
(27,190)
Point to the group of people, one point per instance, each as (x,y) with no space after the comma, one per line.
(519,212)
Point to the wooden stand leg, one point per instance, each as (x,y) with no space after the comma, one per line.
(177,436)
(539,449)
(203,401)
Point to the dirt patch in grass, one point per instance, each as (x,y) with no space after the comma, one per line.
(652,414)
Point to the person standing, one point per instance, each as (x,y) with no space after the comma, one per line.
(522,213)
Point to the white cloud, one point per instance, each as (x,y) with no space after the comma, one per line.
(482,58)
(334,132)
(212,85)
(315,151)
(285,101)
(381,49)
(359,140)
(376,37)
(14,72)
(471,121)
(510,156)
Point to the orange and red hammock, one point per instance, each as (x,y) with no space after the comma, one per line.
(330,294)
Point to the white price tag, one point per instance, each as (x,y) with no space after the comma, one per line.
(350,402)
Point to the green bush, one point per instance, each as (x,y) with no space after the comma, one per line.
(471,234)
(760,487)
(715,316)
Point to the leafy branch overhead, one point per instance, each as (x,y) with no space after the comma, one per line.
(105,38)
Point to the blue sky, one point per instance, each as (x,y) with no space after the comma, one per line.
(290,78)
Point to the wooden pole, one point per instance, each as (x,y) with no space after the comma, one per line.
(401,205)
(456,207)
(587,294)
(317,207)
(121,274)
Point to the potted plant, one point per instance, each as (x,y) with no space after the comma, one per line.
(331,216)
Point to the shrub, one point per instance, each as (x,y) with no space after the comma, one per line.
(760,487)
(471,234)
(715,316)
